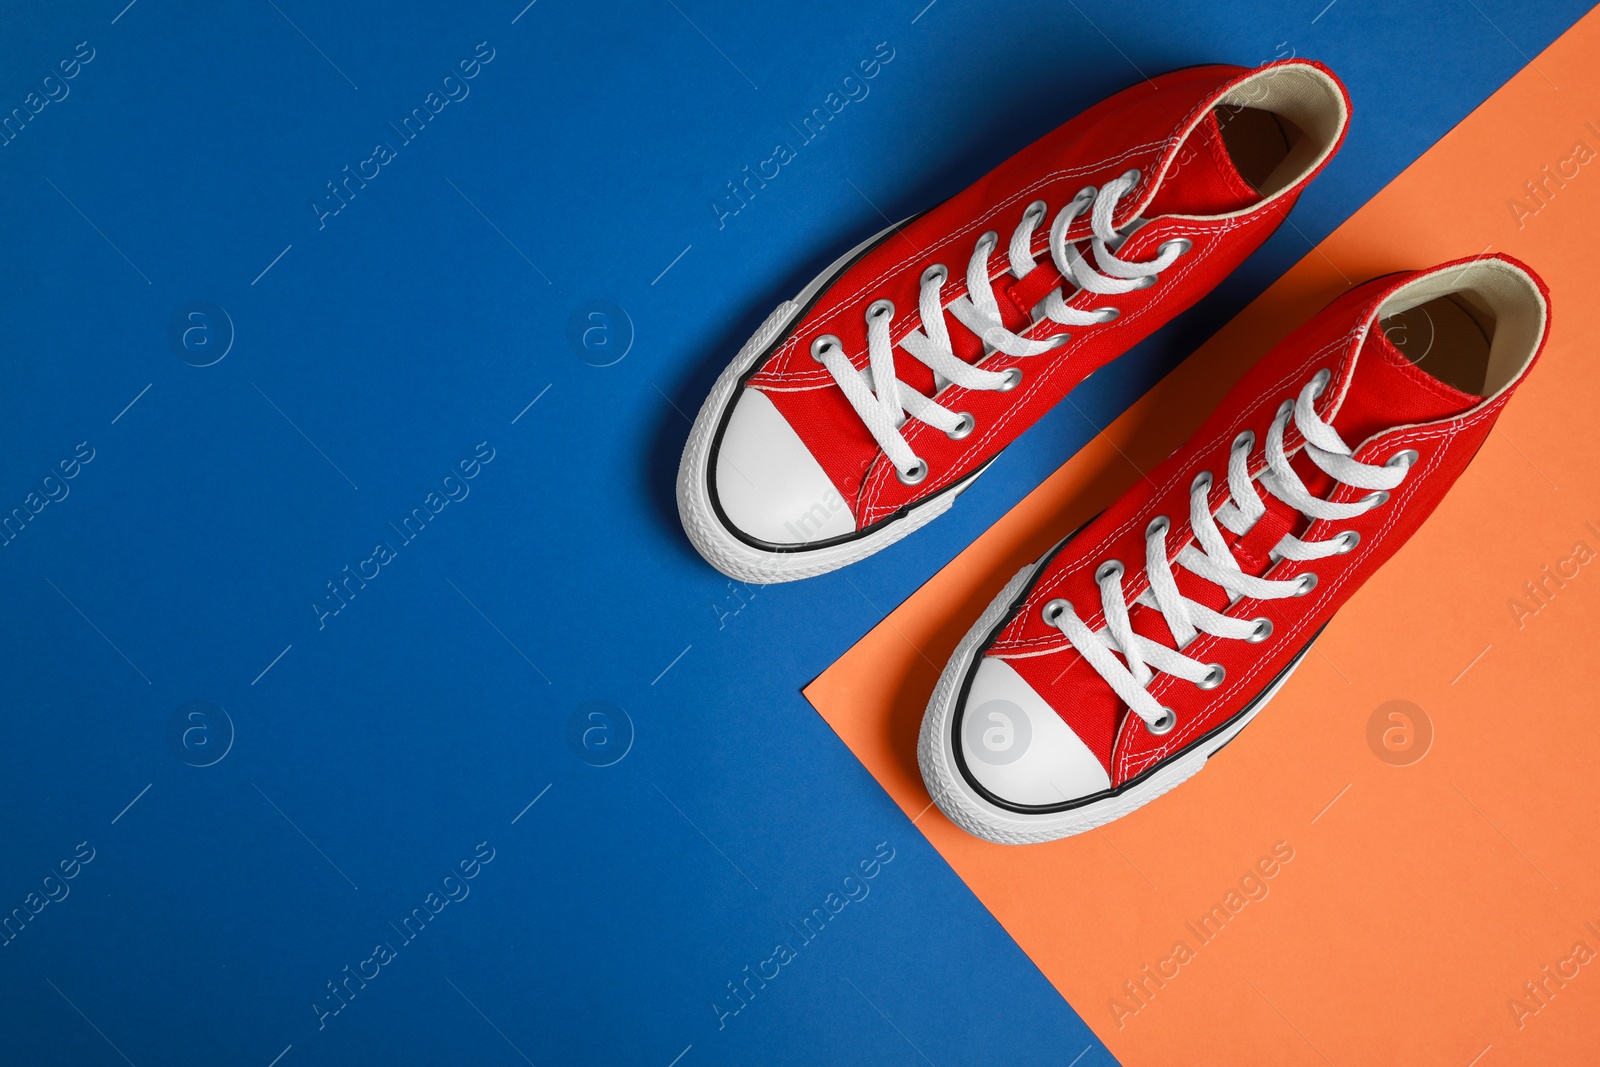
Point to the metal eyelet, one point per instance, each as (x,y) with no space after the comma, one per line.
(1306,583)
(1164,724)
(1158,525)
(1057,340)
(1245,440)
(1037,209)
(1203,479)
(1013,378)
(1109,314)
(1285,407)
(1373,500)
(937,273)
(1262,631)
(1182,244)
(914,476)
(822,344)
(1213,677)
(966,426)
(1131,175)
(993,240)
(1146,282)
(1348,541)
(1054,610)
(1404,458)
(879,308)
(1320,380)
(1111,568)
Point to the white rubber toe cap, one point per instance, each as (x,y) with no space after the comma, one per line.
(1018,748)
(768,483)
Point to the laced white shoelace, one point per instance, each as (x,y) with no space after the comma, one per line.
(1131,675)
(884,402)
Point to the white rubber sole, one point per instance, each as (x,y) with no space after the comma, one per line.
(723,549)
(968,809)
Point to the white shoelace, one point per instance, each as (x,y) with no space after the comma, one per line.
(884,402)
(1131,675)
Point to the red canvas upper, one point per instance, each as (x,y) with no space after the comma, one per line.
(1379,402)
(1168,130)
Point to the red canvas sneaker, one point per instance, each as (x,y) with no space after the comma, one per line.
(1108,672)
(860,409)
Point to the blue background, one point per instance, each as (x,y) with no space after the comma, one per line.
(373,751)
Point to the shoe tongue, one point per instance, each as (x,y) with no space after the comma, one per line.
(1386,390)
(1203,179)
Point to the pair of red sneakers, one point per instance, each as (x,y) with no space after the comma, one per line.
(1109,671)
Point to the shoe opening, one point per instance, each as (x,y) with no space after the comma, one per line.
(1474,327)
(1257,141)
(1280,124)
